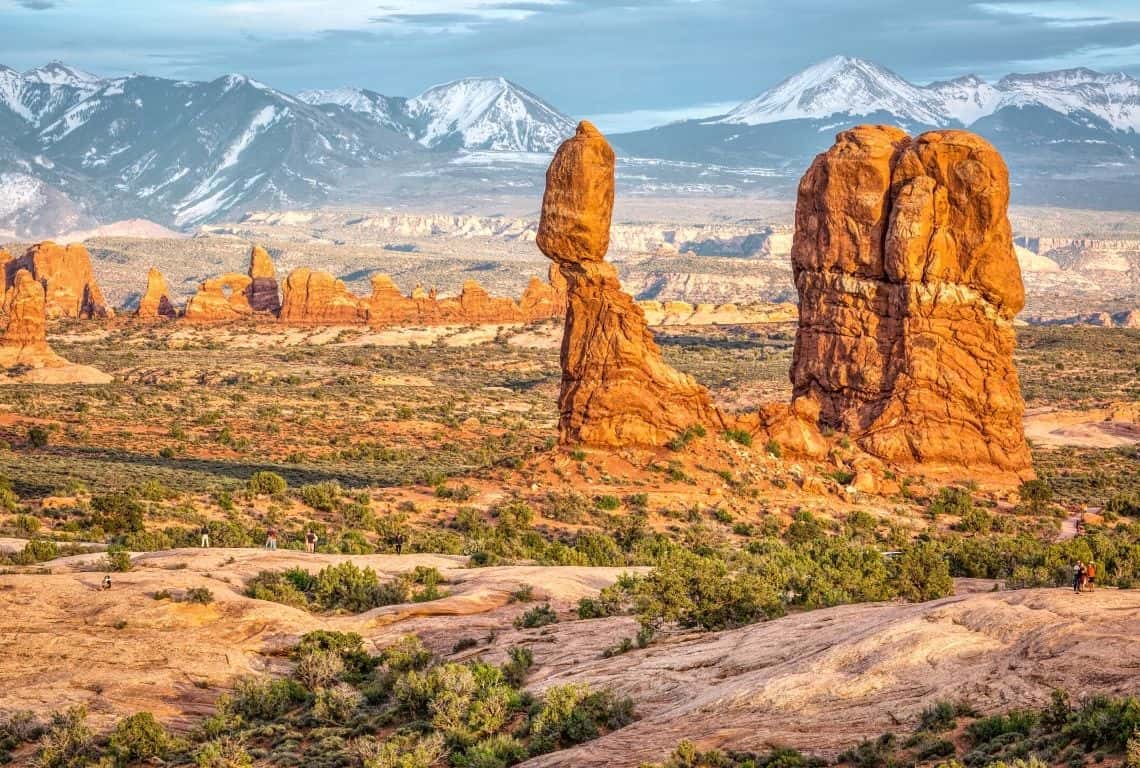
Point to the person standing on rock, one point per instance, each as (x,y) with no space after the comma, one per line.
(310,541)
(205,540)
(1090,574)
(271,540)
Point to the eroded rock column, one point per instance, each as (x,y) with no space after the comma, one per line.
(616,389)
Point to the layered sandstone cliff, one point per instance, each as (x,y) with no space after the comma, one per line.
(908,287)
(155,302)
(66,276)
(616,389)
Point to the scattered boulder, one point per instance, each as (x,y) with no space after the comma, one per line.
(66,275)
(313,297)
(219,299)
(616,389)
(262,293)
(155,303)
(908,287)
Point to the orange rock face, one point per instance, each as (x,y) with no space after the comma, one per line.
(616,389)
(543,300)
(317,298)
(387,306)
(262,293)
(908,286)
(155,303)
(27,322)
(65,273)
(220,298)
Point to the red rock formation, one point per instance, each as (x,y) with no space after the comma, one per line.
(219,299)
(387,306)
(542,300)
(908,286)
(616,389)
(155,302)
(475,305)
(317,298)
(24,352)
(66,275)
(262,292)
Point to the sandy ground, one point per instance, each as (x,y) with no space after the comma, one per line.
(1109,427)
(817,680)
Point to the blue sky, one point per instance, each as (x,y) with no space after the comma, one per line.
(633,62)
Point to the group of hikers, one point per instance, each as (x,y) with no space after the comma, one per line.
(397,541)
(1084,575)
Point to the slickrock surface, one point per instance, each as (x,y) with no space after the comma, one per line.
(819,681)
(616,389)
(24,348)
(66,275)
(312,297)
(220,298)
(156,302)
(263,293)
(908,287)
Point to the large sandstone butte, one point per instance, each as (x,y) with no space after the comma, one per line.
(155,303)
(312,297)
(220,298)
(66,275)
(908,287)
(262,292)
(616,389)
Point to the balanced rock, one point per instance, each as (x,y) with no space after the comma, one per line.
(908,287)
(312,297)
(155,303)
(616,389)
(262,292)
(66,275)
(219,299)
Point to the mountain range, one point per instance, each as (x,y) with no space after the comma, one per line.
(77,149)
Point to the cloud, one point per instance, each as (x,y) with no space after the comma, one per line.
(36,5)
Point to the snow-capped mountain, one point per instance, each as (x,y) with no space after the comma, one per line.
(58,73)
(388,111)
(40,94)
(489,114)
(840,85)
(481,113)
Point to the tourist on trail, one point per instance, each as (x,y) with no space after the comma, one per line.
(1078,576)
(107,581)
(205,536)
(310,541)
(400,539)
(271,540)
(1090,574)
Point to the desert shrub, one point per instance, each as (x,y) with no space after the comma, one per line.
(569,507)
(939,717)
(700,592)
(741,436)
(263,699)
(404,750)
(950,500)
(16,729)
(38,437)
(985,729)
(199,595)
(1035,495)
(224,752)
(572,714)
(117,513)
(879,753)
(266,483)
(118,561)
(539,616)
(137,738)
(38,551)
(323,496)
(336,704)
(347,587)
(922,573)
(497,751)
(1105,723)
(519,661)
(319,669)
(276,587)
(67,742)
